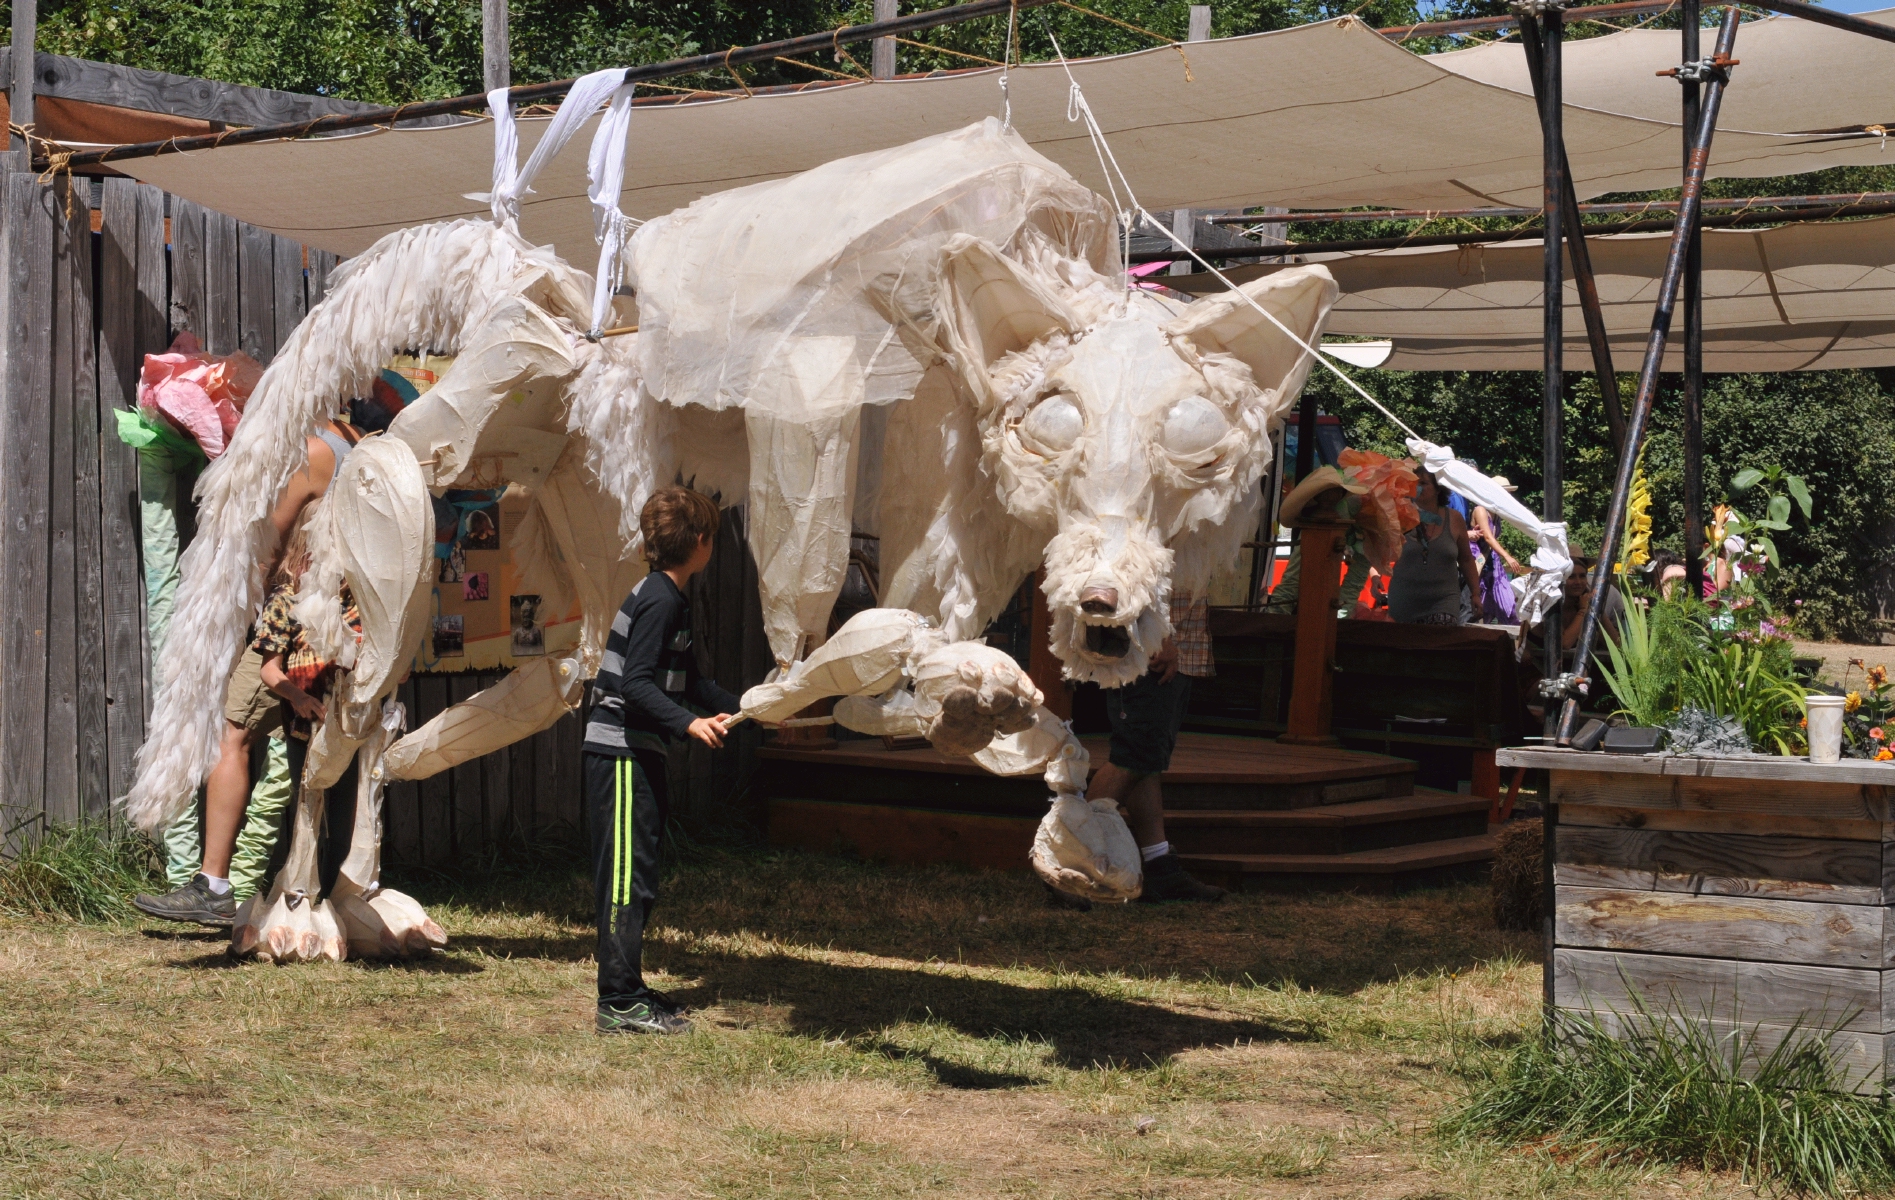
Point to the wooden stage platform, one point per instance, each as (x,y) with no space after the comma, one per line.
(1240,811)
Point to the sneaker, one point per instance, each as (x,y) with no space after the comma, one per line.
(194,902)
(1166,881)
(640,1016)
(665,1001)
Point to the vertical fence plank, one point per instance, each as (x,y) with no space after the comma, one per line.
(568,799)
(222,283)
(151,330)
(24,482)
(437,804)
(189,306)
(322,264)
(61,718)
(76,310)
(470,821)
(119,536)
(521,790)
(496,783)
(256,306)
(401,813)
(290,299)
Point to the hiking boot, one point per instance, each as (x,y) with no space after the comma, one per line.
(194,902)
(640,1016)
(1165,881)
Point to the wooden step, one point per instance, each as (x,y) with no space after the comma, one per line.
(1208,771)
(1428,816)
(1213,771)
(1389,869)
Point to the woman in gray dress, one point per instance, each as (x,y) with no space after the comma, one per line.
(1436,561)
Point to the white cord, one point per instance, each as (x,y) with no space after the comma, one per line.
(1077,109)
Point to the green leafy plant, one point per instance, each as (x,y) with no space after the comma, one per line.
(1743,679)
(1645,658)
(85,872)
(1657,1088)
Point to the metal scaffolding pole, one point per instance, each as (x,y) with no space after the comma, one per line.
(1596,336)
(1716,72)
(1693,422)
(527,94)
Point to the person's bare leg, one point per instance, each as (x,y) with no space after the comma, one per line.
(1144,809)
(226,795)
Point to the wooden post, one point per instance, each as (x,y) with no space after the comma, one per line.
(496,62)
(20,90)
(1181,218)
(1311,690)
(882,49)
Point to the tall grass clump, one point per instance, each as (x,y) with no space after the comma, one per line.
(84,872)
(1671,1091)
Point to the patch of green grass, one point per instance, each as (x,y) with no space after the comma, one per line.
(1662,1090)
(85,872)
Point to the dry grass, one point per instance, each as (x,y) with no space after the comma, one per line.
(864,1032)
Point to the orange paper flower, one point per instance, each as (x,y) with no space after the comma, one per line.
(1387,487)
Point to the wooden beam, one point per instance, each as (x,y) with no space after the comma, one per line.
(21,86)
(177,95)
(882,49)
(27,474)
(496,59)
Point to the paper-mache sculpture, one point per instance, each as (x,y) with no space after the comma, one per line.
(950,314)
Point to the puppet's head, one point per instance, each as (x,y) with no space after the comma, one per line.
(1117,424)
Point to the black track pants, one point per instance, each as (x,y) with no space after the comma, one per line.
(625,809)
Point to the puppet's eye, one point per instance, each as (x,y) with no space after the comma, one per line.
(1193,426)
(1054,424)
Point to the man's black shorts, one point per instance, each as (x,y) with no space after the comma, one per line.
(1145,716)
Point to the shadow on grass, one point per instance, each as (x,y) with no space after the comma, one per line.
(1083,1027)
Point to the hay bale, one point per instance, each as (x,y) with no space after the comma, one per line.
(1519,889)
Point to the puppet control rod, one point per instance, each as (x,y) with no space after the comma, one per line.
(529,93)
(1716,72)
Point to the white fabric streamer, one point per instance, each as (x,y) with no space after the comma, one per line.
(605,180)
(511,184)
(1552,562)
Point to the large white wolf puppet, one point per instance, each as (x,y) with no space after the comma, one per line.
(931,343)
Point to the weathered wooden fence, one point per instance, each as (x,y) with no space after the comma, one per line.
(100,274)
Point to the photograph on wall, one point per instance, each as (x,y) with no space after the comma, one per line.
(529,635)
(450,637)
(483,532)
(475,586)
(454,565)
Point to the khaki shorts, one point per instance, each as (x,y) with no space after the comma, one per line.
(248,703)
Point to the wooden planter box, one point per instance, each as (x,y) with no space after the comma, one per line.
(1731,893)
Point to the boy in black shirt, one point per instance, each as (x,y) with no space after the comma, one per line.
(649,672)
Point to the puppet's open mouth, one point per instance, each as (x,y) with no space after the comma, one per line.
(1108,641)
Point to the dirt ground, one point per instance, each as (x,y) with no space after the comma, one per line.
(1836,656)
(862,1032)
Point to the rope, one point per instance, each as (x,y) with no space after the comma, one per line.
(841,55)
(1006,67)
(733,71)
(813,67)
(944,50)
(1172,42)
(58,160)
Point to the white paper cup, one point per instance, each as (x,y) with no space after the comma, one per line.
(1825,728)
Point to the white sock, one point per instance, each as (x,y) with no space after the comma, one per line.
(218,886)
(1158,851)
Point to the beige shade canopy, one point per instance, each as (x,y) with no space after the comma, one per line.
(1797,297)
(1320,115)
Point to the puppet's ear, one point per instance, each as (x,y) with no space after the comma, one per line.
(988,306)
(1300,297)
